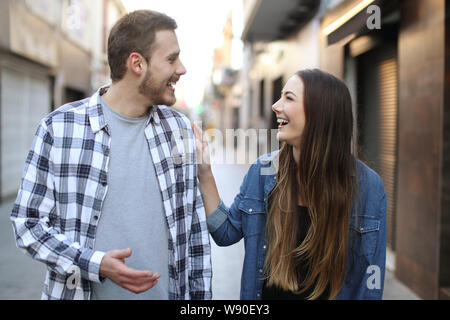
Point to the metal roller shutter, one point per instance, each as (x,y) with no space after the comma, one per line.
(25,100)
(377,119)
(387,71)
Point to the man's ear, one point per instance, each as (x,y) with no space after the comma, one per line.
(136,63)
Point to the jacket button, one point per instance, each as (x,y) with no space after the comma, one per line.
(260,271)
(95,217)
(250,210)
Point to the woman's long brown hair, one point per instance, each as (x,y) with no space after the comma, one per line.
(324,181)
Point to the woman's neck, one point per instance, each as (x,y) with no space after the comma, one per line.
(296,154)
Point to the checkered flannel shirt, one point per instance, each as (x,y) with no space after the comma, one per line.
(64,184)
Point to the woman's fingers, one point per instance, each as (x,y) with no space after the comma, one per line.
(199,135)
(201,147)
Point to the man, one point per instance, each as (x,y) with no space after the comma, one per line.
(102,182)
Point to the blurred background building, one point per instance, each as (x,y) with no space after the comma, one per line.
(51,52)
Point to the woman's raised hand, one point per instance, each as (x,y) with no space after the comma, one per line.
(202,151)
(207,183)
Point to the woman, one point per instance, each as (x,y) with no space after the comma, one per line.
(312,216)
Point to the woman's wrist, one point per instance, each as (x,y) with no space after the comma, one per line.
(205,173)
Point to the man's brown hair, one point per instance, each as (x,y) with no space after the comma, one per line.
(134,32)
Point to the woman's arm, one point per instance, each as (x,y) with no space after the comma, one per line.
(209,192)
(207,183)
(224,224)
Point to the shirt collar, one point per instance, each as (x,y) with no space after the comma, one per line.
(97,118)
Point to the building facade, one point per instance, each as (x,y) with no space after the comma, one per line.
(51,52)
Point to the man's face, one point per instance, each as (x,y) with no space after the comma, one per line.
(164,70)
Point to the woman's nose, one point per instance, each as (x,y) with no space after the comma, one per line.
(276,106)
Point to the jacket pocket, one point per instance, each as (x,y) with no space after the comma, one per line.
(365,235)
(253,216)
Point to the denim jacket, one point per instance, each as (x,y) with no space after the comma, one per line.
(246,218)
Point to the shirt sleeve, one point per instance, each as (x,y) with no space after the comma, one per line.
(34,213)
(200,273)
(225,224)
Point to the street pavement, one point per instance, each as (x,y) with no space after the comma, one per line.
(22,278)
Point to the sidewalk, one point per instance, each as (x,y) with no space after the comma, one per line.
(22,278)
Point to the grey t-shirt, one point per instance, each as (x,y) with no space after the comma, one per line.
(132,214)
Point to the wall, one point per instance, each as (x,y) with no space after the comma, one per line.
(444,280)
(421,98)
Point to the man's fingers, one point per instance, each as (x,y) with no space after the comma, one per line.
(137,281)
(140,288)
(130,273)
(121,254)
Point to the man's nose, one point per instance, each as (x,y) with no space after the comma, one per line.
(181,69)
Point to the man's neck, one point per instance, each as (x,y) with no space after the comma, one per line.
(126,101)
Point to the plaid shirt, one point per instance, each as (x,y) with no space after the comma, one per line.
(64,184)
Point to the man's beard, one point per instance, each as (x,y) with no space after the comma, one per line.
(155,94)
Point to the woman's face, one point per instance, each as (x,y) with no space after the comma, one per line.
(290,112)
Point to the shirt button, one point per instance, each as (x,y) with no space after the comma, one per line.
(250,210)
(258,295)
(260,271)
(264,247)
(95,217)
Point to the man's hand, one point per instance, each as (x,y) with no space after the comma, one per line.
(113,267)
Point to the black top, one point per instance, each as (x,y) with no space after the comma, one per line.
(277,293)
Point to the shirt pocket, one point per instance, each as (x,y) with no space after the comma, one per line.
(365,235)
(253,216)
